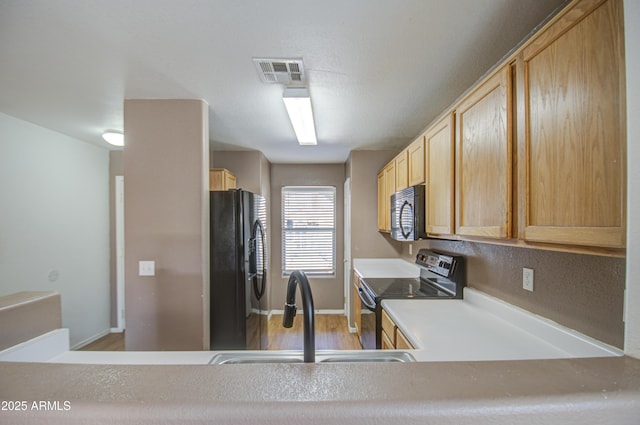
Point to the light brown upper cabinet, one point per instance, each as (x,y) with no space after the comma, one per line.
(390,183)
(410,165)
(483,159)
(386,188)
(382,190)
(439,154)
(402,171)
(571,130)
(221,179)
(415,153)
(538,146)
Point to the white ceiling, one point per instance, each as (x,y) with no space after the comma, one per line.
(378,70)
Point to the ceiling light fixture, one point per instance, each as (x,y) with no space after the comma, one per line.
(298,104)
(115,138)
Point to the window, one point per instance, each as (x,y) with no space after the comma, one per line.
(309,230)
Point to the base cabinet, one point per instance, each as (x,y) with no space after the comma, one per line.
(392,337)
(387,342)
(402,343)
(356,305)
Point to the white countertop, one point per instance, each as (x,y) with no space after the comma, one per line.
(134,357)
(385,267)
(476,328)
(481,327)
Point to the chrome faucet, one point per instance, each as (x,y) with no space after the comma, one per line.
(298,277)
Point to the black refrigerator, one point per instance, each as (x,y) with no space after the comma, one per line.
(238,289)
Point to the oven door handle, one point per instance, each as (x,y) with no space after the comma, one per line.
(367,304)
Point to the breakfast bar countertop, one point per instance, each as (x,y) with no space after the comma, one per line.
(567,392)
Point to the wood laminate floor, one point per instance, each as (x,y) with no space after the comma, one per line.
(332,333)
(110,342)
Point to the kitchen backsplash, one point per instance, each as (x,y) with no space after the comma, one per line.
(582,292)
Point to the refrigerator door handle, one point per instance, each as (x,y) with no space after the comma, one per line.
(251,243)
(257,227)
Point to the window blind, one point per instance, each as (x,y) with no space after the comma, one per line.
(309,230)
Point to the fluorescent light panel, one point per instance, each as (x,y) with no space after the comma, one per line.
(298,104)
(114,138)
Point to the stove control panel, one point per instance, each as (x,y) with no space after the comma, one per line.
(442,264)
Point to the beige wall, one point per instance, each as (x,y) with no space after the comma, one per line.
(366,241)
(251,168)
(54,225)
(166,162)
(582,292)
(328,293)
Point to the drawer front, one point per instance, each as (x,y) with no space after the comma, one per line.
(387,344)
(389,327)
(402,343)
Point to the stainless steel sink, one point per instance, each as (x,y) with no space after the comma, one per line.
(383,357)
(253,357)
(335,356)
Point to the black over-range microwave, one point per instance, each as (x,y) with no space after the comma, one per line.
(408,214)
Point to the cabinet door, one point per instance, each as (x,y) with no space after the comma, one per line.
(416,162)
(573,146)
(402,343)
(388,330)
(229,181)
(221,179)
(402,171)
(390,184)
(382,190)
(356,305)
(216,181)
(439,152)
(483,160)
(387,343)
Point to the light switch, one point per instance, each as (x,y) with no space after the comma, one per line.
(146,268)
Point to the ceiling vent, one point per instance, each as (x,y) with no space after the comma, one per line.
(280,71)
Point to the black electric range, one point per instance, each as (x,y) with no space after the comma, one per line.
(400,287)
(441,277)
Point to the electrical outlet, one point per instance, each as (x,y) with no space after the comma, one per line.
(527,279)
(410,249)
(146,268)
